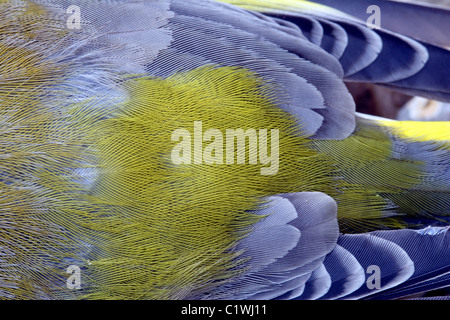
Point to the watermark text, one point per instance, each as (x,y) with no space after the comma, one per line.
(234,144)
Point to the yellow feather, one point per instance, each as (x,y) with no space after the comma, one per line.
(420,130)
(164,219)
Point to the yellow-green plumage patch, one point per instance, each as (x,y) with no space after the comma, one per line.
(367,170)
(429,197)
(38,148)
(171,229)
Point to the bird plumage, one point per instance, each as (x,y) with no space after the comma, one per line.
(90,118)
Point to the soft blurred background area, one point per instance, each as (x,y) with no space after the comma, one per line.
(390,104)
(383,102)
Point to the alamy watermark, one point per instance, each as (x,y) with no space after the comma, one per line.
(230,141)
(374,21)
(74,280)
(74,20)
(374,280)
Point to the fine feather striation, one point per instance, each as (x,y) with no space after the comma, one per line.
(41,143)
(162,218)
(392,169)
(396,54)
(87,176)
